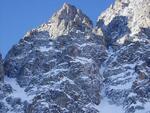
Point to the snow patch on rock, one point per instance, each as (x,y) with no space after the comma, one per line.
(18,92)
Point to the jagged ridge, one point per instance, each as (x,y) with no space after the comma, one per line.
(67,19)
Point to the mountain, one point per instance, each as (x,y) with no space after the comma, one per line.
(57,73)
(68,66)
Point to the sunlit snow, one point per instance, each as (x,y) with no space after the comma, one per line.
(18,92)
(106,107)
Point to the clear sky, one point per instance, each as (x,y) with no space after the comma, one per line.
(19,16)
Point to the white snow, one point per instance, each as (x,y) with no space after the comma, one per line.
(85,77)
(86,44)
(126,86)
(82,60)
(106,107)
(121,40)
(132,94)
(102,69)
(122,77)
(20,57)
(45,104)
(18,92)
(55,71)
(146,108)
(44,49)
(63,79)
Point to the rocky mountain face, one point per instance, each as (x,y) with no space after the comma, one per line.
(126,28)
(69,66)
(58,74)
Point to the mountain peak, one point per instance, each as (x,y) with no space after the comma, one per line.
(67,5)
(128,15)
(130,8)
(66,12)
(67,19)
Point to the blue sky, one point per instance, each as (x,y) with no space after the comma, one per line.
(19,16)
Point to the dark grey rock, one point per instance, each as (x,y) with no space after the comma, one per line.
(1,68)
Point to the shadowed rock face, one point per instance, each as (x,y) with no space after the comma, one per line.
(1,68)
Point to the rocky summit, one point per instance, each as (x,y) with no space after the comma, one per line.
(68,66)
(67,19)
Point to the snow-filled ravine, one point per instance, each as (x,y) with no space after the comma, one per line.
(106,107)
(18,92)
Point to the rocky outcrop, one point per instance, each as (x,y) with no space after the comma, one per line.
(67,19)
(1,68)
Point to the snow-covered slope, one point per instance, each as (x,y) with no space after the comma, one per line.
(67,66)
